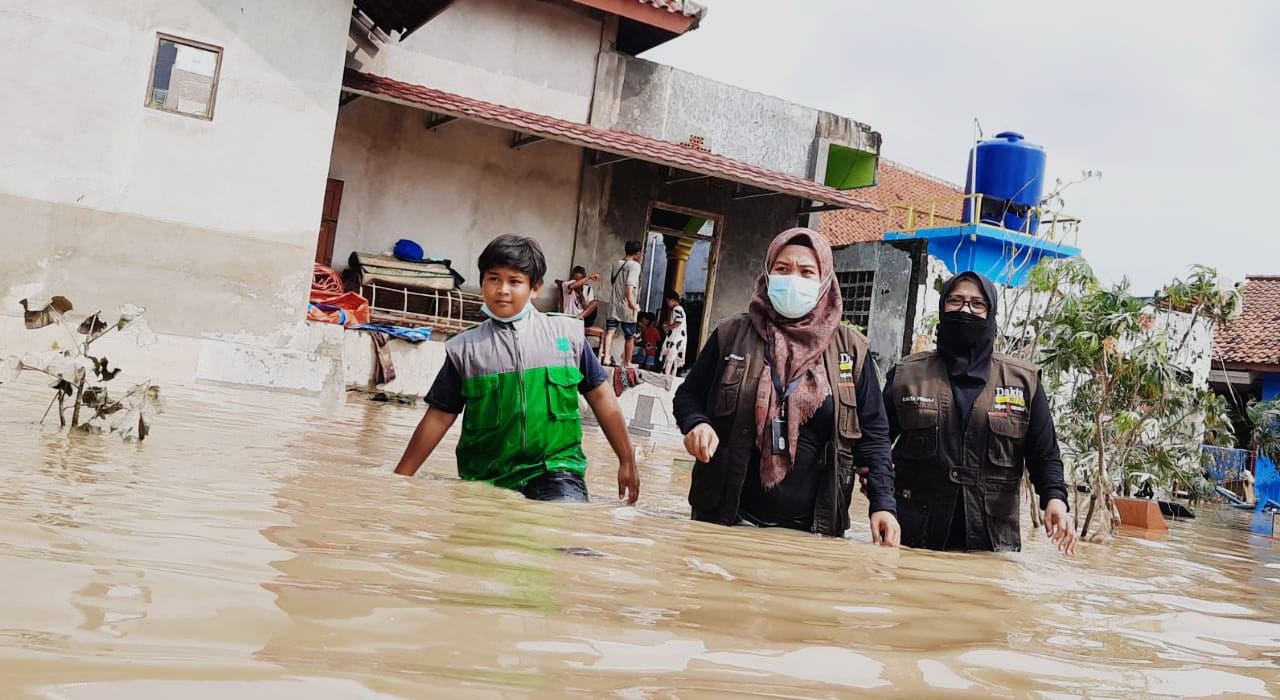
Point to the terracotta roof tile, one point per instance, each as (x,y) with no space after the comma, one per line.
(1254,336)
(894,184)
(621,143)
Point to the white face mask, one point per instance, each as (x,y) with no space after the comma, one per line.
(793,296)
(509,319)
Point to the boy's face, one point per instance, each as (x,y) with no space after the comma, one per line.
(577,276)
(644,322)
(506,290)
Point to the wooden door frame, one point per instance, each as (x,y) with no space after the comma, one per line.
(325,218)
(713,257)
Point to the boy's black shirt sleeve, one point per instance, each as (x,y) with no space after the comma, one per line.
(593,375)
(446,391)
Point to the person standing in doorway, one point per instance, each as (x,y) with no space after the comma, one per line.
(967,419)
(677,329)
(783,405)
(624,307)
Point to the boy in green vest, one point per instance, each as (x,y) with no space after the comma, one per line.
(516,380)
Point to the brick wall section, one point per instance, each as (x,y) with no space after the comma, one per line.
(895,184)
(193,87)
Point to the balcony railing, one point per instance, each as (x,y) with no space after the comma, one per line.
(909,217)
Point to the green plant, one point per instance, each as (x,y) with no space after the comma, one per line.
(1264,429)
(81,377)
(1130,412)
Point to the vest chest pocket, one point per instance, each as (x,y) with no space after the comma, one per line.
(562,392)
(483,403)
(1004,449)
(919,432)
(726,392)
(848,408)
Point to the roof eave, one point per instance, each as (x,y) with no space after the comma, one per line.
(831,197)
(674,22)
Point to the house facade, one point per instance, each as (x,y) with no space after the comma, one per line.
(1246,365)
(192,170)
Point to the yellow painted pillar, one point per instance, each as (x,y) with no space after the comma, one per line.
(678,250)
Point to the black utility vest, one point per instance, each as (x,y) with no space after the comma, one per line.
(933,464)
(717,487)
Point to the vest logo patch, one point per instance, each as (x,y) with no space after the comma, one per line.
(1011,398)
(564,346)
(919,399)
(846,363)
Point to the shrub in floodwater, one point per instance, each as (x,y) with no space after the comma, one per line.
(1129,414)
(81,378)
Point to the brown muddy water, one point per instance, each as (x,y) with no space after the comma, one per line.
(257,546)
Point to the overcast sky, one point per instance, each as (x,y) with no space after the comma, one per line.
(1179,107)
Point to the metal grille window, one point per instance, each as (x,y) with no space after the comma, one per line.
(856,288)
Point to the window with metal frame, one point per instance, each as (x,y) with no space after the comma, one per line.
(856,288)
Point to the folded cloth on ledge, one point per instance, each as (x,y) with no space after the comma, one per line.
(329,304)
(413,335)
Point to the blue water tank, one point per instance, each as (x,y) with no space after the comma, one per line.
(1011,179)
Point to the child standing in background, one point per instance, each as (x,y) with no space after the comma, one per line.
(651,340)
(677,335)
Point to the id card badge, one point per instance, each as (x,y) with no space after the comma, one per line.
(779,436)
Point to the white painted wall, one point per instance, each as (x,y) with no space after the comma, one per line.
(537,56)
(452,190)
(211,225)
(76,130)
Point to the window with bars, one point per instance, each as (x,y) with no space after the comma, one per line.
(856,288)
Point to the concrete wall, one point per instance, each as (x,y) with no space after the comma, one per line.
(451,190)
(615,203)
(538,56)
(892,289)
(209,224)
(654,100)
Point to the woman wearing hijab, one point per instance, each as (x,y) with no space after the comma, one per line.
(967,420)
(783,404)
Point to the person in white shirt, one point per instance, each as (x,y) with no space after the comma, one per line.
(578,294)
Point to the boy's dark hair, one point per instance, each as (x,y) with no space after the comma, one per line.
(633,247)
(520,252)
(578,270)
(648,316)
(673,294)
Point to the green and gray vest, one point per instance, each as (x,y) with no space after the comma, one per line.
(520,384)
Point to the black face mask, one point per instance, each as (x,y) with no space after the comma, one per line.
(967,341)
(959,332)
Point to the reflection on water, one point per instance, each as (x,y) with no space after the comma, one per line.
(258,546)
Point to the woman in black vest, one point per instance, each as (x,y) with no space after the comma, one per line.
(783,402)
(967,420)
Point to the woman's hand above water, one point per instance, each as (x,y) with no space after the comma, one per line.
(702,442)
(1058,526)
(885,530)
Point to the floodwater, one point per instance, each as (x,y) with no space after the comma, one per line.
(257,546)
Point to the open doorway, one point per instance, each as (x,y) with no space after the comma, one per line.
(681,247)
